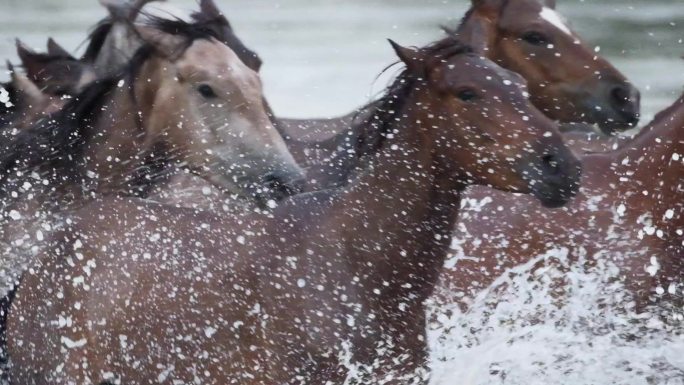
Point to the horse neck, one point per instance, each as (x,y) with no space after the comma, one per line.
(120,153)
(645,174)
(402,211)
(656,149)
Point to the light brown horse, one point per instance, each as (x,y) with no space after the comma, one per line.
(330,286)
(112,44)
(187,103)
(630,211)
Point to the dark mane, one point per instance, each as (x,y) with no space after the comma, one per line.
(175,26)
(222,28)
(381,114)
(7,113)
(96,40)
(54,142)
(373,121)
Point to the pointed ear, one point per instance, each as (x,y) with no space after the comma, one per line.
(210,9)
(55,49)
(476,31)
(209,12)
(30,60)
(167,44)
(27,92)
(415,61)
(118,10)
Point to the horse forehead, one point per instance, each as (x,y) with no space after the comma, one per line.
(483,73)
(524,13)
(556,19)
(471,68)
(214,57)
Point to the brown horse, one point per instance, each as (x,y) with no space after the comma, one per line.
(22,101)
(567,80)
(329,286)
(26,103)
(630,210)
(57,72)
(187,103)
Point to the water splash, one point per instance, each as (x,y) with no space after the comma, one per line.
(561,324)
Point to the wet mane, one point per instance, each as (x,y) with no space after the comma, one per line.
(383,113)
(58,140)
(178,27)
(7,113)
(224,31)
(96,40)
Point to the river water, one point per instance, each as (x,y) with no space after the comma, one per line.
(321,59)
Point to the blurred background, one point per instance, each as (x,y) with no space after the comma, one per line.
(322,57)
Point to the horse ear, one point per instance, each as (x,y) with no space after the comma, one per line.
(210,9)
(29,59)
(55,49)
(415,61)
(27,92)
(210,13)
(475,31)
(127,10)
(167,44)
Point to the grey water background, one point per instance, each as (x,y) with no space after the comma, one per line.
(322,56)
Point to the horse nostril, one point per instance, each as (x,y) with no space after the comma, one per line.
(621,95)
(281,186)
(550,164)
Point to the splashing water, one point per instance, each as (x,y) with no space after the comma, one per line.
(528,331)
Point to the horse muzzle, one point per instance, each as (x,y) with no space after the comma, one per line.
(554,177)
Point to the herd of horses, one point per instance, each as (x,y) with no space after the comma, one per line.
(161,225)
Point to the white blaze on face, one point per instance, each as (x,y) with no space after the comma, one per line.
(555,19)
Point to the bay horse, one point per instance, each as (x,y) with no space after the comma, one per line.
(25,103)
(186,103)
(22,100)
(567,80)
(630,211)
(328,286)
(55,72)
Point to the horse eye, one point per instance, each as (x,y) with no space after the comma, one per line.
(535,38)
(467,94)
(206,91)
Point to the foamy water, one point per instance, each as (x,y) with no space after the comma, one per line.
(522,331)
